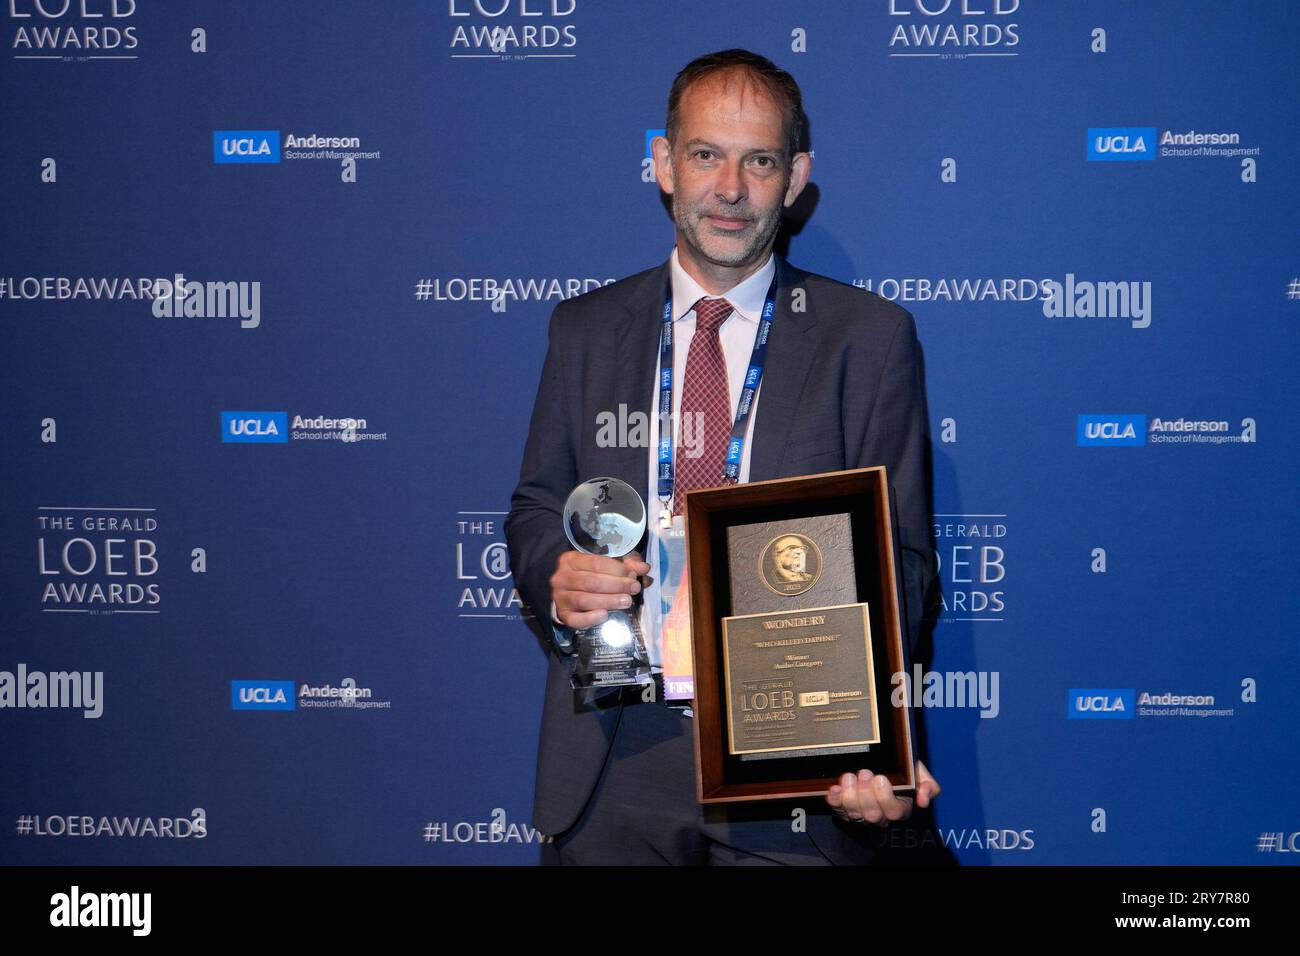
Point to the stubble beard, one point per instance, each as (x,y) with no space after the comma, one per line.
(699,235)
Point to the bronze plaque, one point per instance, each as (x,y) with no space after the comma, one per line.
(799,683)
(796,629)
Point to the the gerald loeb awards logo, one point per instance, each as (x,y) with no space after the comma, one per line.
(790,564)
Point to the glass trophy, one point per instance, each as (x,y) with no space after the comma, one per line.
(606,517)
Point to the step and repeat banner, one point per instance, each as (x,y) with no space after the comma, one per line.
(275,286)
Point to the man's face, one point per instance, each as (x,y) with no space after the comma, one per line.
(729,171)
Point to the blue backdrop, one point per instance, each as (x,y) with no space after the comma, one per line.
(291,633)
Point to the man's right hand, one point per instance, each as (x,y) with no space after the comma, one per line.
(586,587)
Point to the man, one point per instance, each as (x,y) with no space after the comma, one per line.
(840,389)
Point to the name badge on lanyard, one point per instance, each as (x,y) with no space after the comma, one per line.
(672,616)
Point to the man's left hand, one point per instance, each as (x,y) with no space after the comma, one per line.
(867,798)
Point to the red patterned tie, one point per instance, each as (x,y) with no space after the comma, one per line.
(706,406)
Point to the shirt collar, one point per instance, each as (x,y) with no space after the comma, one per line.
(747,297)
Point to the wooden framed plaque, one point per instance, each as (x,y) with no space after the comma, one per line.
(796,626)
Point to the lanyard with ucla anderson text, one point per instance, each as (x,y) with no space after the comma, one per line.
(753,375)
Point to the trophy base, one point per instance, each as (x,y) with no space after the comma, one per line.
(611,654)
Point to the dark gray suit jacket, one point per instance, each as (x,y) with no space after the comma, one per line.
(841,389)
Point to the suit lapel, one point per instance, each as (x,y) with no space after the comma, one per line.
(634,370)
(789,359)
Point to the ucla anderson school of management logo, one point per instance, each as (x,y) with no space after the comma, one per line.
(265,146)
(1126,703)
(1125,144)
(1122,431)
(262,427)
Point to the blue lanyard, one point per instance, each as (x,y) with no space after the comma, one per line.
(753,375)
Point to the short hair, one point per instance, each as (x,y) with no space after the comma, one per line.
(779,84)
